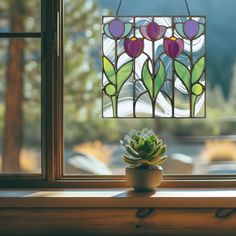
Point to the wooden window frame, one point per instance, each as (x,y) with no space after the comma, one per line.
(52,122)
(48,38)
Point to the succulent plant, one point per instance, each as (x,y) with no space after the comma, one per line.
(143,148)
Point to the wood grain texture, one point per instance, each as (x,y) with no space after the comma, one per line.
(122,221)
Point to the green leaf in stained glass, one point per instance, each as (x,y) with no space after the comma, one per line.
(160,77)
(128,28)
(200,31)
(123,74)
(110,89)
(179,29)
(183,73)
(114,107)
(194,98)
(147,78)
(109,70)
(198,69)
(197,89)
(106,31)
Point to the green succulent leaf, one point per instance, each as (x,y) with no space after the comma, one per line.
(130,160)
(145,130)
(127,139)
(142,154)
(151,147)
(147,77)
(158,151)
(157,148)
(137,138)
(183,73)
(160,77)
(123,74)
(153,138)
(131,151)
(109,70)
(155,159)
(158,161)
(198,70)
(163,159)
(163,150)
(134,145)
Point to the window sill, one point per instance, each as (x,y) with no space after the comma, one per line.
(113,197)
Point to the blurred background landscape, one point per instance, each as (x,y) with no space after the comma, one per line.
(199,146)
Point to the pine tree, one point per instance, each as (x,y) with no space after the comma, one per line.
(12,137)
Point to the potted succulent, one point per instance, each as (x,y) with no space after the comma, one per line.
(144,151)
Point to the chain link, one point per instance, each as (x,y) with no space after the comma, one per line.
(118,8)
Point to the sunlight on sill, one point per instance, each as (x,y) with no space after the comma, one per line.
(120,193)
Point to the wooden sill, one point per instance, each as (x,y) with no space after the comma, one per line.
(122,198)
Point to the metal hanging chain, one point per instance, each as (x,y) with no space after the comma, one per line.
(187,7)
(186,4)
(118,8)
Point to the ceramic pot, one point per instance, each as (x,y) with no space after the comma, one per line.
(144,179)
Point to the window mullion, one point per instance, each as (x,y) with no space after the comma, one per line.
(49,81)
(57,92)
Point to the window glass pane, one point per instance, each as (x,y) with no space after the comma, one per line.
(195,146)
(20,109)
(20,16)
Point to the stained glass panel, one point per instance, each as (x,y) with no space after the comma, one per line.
(153,67)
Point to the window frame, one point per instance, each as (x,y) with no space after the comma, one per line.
(47,36)
(52,144)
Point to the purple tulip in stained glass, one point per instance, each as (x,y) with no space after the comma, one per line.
(173,47)
(191,28)
(153,31)
(116,28)
(133,46)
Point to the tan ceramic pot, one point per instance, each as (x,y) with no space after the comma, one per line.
(144,179)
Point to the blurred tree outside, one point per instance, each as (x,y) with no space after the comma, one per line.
(20,81)
(12,138)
